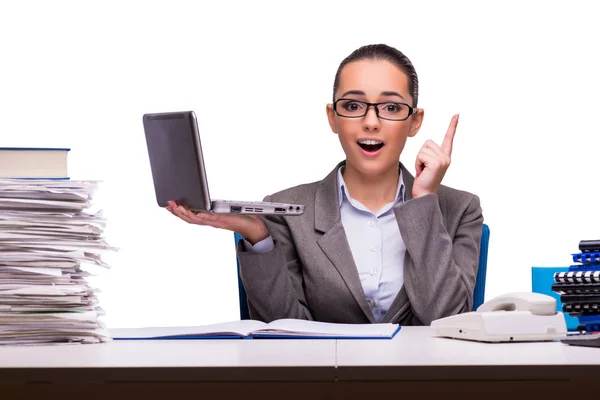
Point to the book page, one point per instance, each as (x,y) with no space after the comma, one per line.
(297,327)
(234,328)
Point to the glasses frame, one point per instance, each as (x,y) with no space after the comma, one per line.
(411,110)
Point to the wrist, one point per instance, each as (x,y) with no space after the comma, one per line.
(256,236)
(420,193)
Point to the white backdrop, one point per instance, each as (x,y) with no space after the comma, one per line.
(524,76)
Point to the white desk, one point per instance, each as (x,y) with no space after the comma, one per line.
(417,363)
(170,369)
(412,365)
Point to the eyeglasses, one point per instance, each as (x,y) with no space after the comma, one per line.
(390,110)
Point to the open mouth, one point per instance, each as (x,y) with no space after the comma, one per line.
(370,146)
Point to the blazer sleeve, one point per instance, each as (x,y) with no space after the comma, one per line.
(440,269)
(273,280)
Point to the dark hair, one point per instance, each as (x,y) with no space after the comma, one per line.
(387,53)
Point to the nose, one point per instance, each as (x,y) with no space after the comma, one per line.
(371,120)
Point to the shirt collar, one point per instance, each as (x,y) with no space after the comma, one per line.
(343,190)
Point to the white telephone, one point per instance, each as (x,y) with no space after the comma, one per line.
(511,317)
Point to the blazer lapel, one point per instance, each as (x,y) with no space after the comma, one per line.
(401,305)
(334,242)
(408,180)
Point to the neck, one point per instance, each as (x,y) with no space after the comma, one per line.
(373,191)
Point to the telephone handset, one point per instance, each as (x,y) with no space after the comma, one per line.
(536,303)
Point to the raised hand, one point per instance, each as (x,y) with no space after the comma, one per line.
(250,226)
(432,163)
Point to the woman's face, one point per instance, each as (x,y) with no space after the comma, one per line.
(373,145)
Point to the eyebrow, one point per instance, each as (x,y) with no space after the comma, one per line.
(361,93)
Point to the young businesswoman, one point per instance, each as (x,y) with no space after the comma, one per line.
(375,243)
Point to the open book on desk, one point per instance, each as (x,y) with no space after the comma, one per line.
(250,329)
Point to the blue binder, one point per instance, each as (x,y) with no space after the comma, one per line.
(542,279)
(587,258)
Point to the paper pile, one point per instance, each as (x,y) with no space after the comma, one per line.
(47,233)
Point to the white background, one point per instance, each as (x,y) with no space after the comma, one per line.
(524,76)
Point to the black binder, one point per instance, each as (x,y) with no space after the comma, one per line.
(576,288)
(589,245)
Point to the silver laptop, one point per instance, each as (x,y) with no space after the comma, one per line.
(178,171)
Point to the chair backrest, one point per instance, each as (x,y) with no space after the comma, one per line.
(478,295)
(244,313)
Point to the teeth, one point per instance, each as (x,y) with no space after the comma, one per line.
(369,142)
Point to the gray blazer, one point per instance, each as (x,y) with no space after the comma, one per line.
(310,273)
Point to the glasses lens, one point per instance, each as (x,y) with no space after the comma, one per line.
(351,108)
(394,111)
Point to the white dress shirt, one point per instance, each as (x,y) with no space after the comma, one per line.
(377,247)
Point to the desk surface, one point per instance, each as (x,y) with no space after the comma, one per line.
(416,354)
(413,354)
(175,359)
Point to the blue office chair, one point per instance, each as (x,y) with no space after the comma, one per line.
(478,295)
(244,313)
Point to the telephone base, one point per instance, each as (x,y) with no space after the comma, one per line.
(502,326)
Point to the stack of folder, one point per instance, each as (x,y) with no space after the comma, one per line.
(50,241)
(579,287)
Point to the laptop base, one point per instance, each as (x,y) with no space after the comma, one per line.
(255,208)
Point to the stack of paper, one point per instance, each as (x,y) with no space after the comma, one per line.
(47,233)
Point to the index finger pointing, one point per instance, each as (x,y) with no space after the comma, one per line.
(449,138)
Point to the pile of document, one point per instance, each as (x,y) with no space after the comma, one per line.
(48,231)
